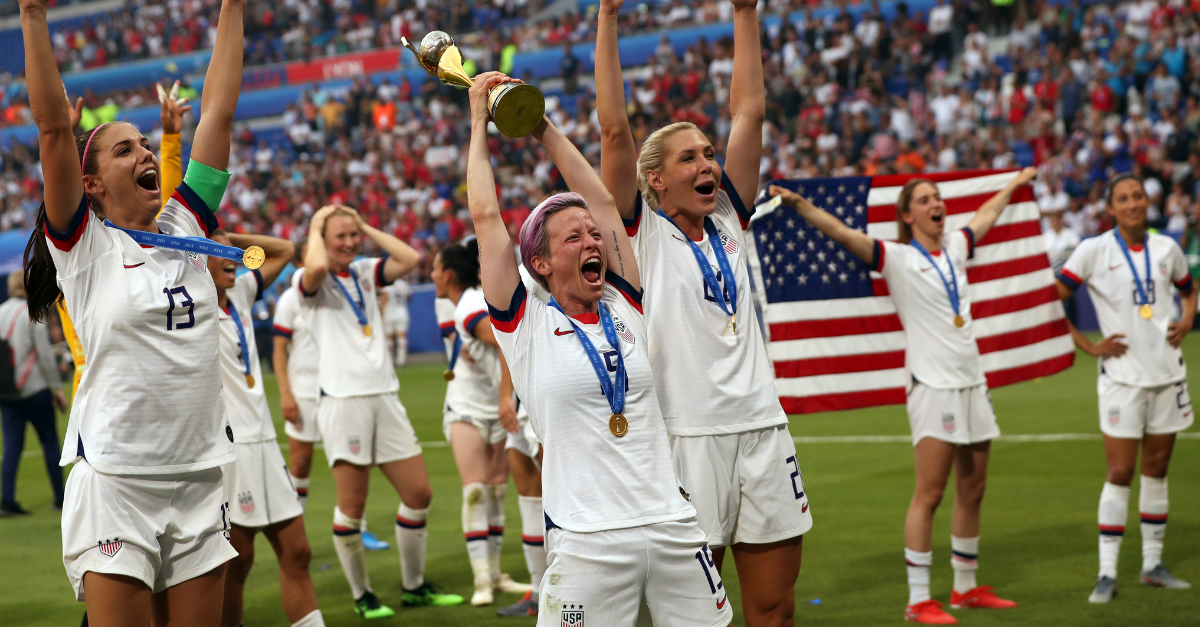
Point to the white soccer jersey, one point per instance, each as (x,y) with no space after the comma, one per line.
(1099,262)
(291,322)
(351,362)
(249,413)
(396,312)
(143,314)
(591,479)
(474,393)
(711,380)
(939,354)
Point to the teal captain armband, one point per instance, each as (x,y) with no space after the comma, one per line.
(209,184)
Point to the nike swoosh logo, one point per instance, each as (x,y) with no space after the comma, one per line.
(679,238)
(721,604)
(926,269)
(561,332)
(134,265)
(1111,268)
(804,509)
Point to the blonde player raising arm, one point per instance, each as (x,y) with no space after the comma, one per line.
(145,517)
(729,434)
(1132,276)
(949,408)
(362,422)
(611,499)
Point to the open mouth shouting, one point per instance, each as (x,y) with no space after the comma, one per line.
(707,190)
(938,217)
(148,180)
(593,270)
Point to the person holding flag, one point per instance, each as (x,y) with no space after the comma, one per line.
(949,407)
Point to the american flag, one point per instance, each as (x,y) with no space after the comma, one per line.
(835,339)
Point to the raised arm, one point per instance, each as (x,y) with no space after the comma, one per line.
(582,179)
(747,102)
(52,115)
(855,241)
(222,83)
(316,260)
(987,214)
(402,258)
(279,252)
(170,151)
(497,264)
(618,153)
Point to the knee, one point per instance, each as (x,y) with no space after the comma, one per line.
(929,497)
(303,466)
(1154,465)
(971,492)
(419,498)
(778,612)
(239,567)
(1120,475)
(297,557)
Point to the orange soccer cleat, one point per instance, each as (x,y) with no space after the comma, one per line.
(980,596)
(928,613)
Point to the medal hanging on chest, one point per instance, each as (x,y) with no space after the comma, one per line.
(1145,311)
(358,306)
(448,373)
(730,292)
(241,331)
(613,391)
(950,284)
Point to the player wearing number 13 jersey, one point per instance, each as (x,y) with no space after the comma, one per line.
(1132,277)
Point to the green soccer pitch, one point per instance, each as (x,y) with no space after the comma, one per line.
(1038,539)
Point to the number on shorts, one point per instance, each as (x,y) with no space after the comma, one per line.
(224,519)
(186,302)
(1182,398)
(706,562)
(796,473)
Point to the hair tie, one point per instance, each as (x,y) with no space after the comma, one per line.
(83,161)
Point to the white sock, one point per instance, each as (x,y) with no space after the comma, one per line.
(411,540)
(301,486)
(401,351)
(964,560)
(475,528)
(347,540)
(918,574)
(533,540)
(1114,509)
(1152,503)
(312,619)
(495,510)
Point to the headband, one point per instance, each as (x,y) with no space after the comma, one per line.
(83,161)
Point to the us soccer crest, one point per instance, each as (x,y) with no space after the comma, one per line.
(246,502)
(948,422)
(110,547)
(198,261)
(623,331)
(355,444)
(1114,415)
(572,616)
(728,243)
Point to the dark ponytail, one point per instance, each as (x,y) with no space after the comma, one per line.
(41,277)
(463,261)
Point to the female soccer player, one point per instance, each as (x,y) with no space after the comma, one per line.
(361,419)
(1142,385)
(949,408)
(145,516)
(295,357)
(258,480)
(729,434)
(471,418)
(619,527)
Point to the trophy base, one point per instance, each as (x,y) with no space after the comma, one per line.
(516,109)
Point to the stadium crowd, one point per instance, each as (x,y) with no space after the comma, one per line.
(1079,92)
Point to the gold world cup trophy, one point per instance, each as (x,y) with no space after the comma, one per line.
(516,108)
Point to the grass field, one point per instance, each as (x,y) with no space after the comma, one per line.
(1038,540)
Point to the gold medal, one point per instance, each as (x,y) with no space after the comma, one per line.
(448,374)
(958,321)
(618,425)
(1146,311)
(733,319)
(249,380)
(367,330)
(254,257)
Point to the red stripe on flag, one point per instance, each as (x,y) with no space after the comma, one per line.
(840,364)
(834,327)
(1016,302)
(1022,337)
(1009,232)
(961,204)
(896,180)
(1009,268)
(842,400)
(1044,368)
(879,287)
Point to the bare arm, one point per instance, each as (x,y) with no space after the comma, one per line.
(222,83)
(485,333)
(987,214)
(52,114)
(1179,329)
(316,260)
(581,178)
(1111,346)
(498,267)
(618,154)
(279,359)
(508,405)
(857,242)
(747,102)
(279,252)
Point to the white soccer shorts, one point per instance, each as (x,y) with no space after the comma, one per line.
(599,579)
(958,416)
(260,490)
(309,429)
(366,430)
(490,430)
(525,442)
(161,530)
(1130,412)
(746,487)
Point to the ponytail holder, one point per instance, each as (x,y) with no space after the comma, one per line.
(83,161)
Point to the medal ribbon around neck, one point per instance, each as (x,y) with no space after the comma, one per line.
(951,285)
(449,373)
(710,277)
(1146,310)
(253,257)
(358,305)
(614,393)
(237,322)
